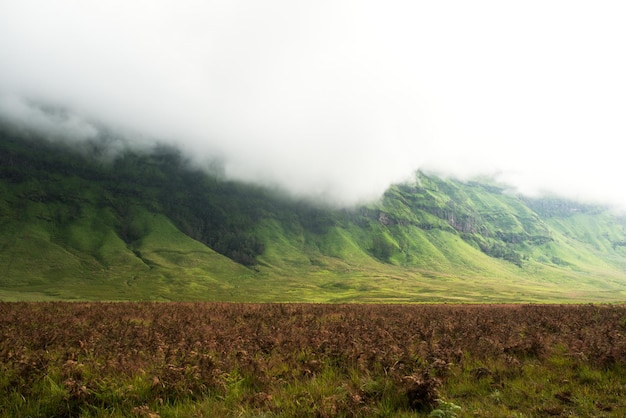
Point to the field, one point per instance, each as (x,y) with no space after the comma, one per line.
(217,359)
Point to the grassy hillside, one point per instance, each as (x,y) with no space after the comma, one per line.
(78,223)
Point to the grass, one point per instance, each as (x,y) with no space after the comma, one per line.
(199,359)
(559,386)
(74,228)
(168,265)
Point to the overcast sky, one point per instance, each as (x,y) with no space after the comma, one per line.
(338,98)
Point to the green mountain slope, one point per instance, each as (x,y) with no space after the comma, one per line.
(77,222)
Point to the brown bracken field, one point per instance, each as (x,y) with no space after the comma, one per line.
(217,359)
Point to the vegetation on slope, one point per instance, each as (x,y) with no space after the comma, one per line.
(82,221)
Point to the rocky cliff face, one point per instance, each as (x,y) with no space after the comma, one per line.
(483,215)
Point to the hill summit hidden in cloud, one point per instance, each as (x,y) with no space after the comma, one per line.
(144,225)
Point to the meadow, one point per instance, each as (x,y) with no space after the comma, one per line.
(219,359)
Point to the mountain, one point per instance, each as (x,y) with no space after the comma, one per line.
(103,220)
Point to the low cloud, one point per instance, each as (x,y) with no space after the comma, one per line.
(53,123)
(336,99)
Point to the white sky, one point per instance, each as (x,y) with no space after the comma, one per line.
(339,98)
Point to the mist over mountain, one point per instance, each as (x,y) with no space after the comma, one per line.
(145,223)
(334,100)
